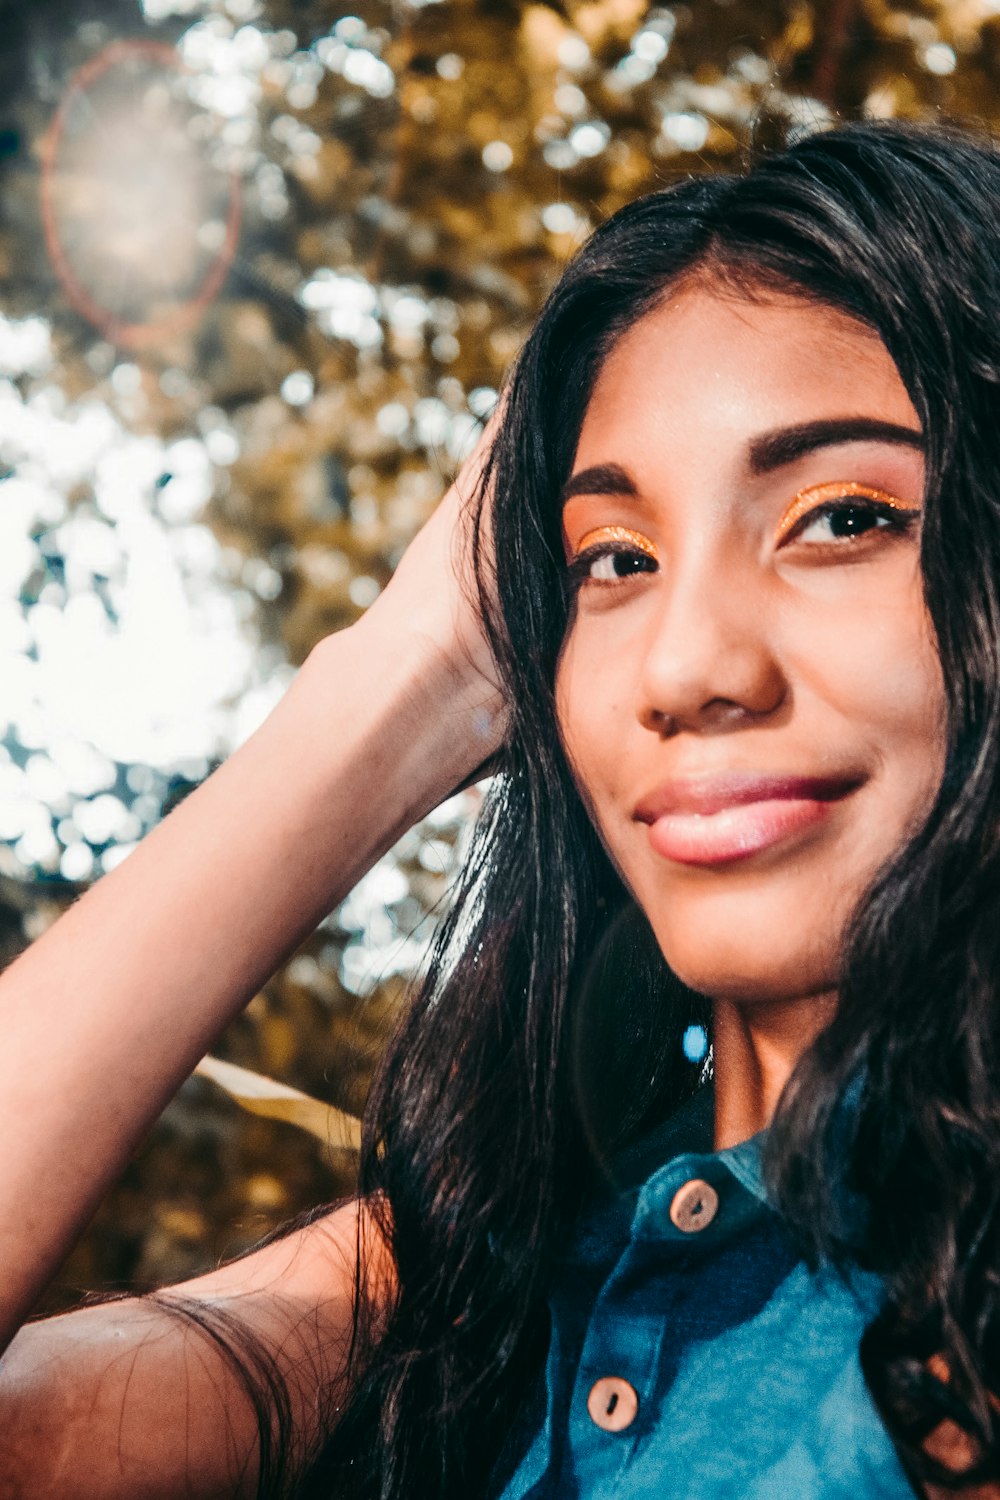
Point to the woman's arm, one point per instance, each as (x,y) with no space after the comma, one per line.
(106,1014)
(131,1401)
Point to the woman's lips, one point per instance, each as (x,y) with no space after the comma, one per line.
(726,818)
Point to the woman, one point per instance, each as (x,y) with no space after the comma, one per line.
(737,628)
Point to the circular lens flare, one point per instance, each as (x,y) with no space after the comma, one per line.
(140,222)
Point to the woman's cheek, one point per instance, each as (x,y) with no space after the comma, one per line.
(593,704)
(879,670)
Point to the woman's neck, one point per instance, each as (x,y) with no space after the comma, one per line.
(755,1046)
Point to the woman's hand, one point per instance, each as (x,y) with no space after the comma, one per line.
(434,588)
(430,612)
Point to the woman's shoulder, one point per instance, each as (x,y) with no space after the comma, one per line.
(151,1389)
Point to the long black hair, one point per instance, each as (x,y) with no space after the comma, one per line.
(482,1132)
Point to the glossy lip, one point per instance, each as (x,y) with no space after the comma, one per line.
(718,819)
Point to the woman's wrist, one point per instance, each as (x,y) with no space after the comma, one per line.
(430,716)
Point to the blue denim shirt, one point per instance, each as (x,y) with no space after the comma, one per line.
(700,1363)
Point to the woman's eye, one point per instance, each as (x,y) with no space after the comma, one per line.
(609,564)
(845,521)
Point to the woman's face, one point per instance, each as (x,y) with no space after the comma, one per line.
(749,691)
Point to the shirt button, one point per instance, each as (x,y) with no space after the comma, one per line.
(612,1403)
(694,1206)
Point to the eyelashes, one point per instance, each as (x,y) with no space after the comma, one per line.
(849,513)
(617,551)
(839,499)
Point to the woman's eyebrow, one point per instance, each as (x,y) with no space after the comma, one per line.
(785,444)
(600,479)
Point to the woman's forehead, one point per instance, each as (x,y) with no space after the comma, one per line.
(708,365)
(715,317)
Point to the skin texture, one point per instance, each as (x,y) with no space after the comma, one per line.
(752,640)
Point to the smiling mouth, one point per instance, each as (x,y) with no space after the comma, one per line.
(724,819)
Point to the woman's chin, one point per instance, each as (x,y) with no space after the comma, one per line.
(757,971)
(767,934)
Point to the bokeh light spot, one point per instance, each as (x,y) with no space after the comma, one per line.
(694,1043)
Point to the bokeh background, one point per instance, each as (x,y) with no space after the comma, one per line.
(263,264)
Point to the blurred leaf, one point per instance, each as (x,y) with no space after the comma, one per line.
(278,1101)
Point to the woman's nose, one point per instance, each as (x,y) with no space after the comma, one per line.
(709,663)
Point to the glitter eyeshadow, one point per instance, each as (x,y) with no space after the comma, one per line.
(617,534)
(821,494)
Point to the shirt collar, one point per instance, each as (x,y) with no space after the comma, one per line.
(745,1161)
(690,1131)
(639,1183)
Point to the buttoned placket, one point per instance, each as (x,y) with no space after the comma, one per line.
(628,1223)
(683,1213)
(692,1351)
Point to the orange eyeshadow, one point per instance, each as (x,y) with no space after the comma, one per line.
(821,494)
(617,534)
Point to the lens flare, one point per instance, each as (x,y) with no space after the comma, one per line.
(140,212)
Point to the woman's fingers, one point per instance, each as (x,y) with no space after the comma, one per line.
(433,603)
